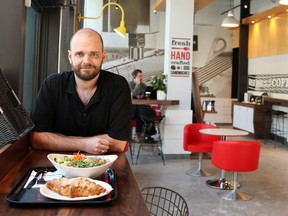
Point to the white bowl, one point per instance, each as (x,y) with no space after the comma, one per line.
(91,172)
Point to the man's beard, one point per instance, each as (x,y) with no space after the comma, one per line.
(84,75)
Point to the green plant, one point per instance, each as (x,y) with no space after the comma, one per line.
(159,82)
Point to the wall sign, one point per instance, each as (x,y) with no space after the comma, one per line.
(276,83)
(180,57)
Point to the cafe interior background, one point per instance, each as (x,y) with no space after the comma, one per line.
(35,41)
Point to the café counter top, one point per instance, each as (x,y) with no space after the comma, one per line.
(275,101)
(129,200)
(150,101)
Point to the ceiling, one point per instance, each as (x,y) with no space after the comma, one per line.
(51,3)
(160,5)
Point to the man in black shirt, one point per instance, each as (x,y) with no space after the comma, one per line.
(86,109)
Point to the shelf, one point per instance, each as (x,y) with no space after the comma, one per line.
(207,96)
(264,15)
(212,112)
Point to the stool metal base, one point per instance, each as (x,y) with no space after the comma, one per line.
(198,173)
(235,195)
(221,184)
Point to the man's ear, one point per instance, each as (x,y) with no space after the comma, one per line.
(104,56)
(70,56)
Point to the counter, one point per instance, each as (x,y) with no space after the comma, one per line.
(254,118)
(275,101)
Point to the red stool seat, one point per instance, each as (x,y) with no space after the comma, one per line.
(236,156)
(194,141)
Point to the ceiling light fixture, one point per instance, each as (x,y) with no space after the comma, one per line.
(283,2)
(121,30)
(230,21)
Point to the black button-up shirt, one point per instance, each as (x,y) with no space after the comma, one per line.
(58,108)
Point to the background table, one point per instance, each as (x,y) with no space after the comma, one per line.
(222,183)
(159,102)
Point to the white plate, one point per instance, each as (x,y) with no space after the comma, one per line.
(54,195)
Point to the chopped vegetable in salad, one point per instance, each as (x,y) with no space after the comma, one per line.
(81,161)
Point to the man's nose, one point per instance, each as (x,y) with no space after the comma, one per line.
(86,58)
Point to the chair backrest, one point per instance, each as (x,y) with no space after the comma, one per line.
(147,113)
(236,155)
(192,134)
(163,201)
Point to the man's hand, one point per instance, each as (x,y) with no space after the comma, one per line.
(137,80)
(96,145)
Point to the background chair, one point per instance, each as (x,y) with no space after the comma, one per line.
(194,141)
(150,119)
(163,201)
(132,141)
(236,156)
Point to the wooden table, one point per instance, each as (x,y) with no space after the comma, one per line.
(159,102)
(128,202)
(222,183)
(223,132)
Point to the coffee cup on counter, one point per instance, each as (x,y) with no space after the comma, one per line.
(247,97)
(147,95)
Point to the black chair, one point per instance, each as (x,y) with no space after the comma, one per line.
(163,201)
(150,120)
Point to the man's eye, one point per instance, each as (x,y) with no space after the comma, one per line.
(94,55)
(79,54)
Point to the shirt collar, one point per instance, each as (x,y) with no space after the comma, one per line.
(70,89)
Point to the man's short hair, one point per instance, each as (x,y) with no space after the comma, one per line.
(135,72)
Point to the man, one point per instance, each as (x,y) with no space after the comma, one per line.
(136,85)
(87,109)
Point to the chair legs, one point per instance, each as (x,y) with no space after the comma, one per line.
(235,194)
(157,144)
(131,150)
(199,172)
(159,148)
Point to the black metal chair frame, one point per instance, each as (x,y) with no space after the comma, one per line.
(147,116)
(164,201)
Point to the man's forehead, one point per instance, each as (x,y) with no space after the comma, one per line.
(84,40)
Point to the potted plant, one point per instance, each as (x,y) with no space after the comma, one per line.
(159,83)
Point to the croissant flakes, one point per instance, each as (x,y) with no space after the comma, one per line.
(77,187)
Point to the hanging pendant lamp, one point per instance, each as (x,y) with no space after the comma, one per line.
(283,2)
(230,21)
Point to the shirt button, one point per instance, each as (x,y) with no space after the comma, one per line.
(84,114)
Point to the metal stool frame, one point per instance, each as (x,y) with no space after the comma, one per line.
(278,115)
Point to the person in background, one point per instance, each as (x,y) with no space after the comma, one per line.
(137,86)
(86,109)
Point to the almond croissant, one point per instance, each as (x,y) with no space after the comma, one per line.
(78,187)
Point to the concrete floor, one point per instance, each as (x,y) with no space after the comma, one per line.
(268,184)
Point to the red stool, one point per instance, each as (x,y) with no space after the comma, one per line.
(194,141)
(236,156)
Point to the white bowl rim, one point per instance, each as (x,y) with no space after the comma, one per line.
(59,155)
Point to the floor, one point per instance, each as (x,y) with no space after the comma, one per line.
(268,184)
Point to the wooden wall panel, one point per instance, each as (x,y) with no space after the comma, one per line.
(235,38)
(268,37)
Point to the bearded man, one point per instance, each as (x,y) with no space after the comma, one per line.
(87,109)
